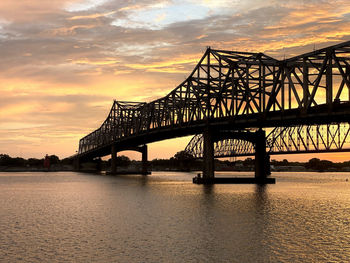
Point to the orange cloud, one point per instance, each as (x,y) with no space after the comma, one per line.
(20,109)
(313,13)
(169,66)
(107,61)
(131,7)
(201,36)
(65,31)
(93,16)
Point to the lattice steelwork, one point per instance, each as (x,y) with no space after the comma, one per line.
(121,113)
(315,138)
(283,140)
(239,88)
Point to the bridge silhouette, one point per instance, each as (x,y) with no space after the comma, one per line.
(230,101)
(280,140)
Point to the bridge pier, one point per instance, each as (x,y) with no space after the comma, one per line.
(113,159)
(76,164)
(262,160)
(98,164)
(142,149)
(144,152)
(208,154)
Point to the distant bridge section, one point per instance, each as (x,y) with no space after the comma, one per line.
(280,140)
(230,90)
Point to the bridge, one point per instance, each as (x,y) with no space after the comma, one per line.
(230,101)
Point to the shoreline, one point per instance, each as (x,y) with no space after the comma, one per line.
(127,171)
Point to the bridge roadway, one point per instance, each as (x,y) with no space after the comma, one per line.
(230,90)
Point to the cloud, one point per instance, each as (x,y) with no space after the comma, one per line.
(91,16)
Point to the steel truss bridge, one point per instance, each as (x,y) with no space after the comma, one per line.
(231,100)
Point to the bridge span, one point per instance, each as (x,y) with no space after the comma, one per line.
(232,98)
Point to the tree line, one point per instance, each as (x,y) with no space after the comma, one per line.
(180,161)
(6,160)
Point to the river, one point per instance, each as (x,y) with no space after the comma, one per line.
(76,217)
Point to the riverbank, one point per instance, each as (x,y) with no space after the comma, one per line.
(133,169)
(60,168)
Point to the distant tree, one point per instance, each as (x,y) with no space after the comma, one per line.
(285,162)
(318,165)
(248,162)
(54,159)
(184,160)
(33,162)
(183,156)
(18,162)
(123,160)
(5,160)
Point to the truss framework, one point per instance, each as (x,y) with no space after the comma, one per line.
(282,140)
(226,85)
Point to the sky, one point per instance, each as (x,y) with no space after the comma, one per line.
(63,62)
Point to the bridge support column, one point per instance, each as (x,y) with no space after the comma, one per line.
(99,164)
(113,160)
(76,164)
(208,154)
(262,162)
(144,160)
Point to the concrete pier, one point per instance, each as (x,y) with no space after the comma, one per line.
(98,162)
(208,154)
(262,161)
(76,163)
(144,152)
(113,159)
(233,180)
(260,155)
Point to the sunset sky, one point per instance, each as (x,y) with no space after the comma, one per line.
(64,61)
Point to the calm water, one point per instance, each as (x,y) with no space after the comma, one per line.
(74,217)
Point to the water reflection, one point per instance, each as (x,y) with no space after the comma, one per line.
(261,194)
(144,180)
(208,190)
(140,179)
(166,218)
(261,222)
